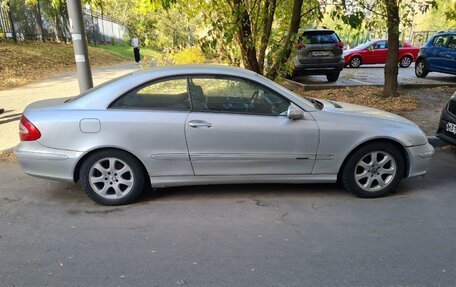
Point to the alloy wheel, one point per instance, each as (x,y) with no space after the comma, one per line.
(111,178)
(375,171)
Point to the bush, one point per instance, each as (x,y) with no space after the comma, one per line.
(192,55)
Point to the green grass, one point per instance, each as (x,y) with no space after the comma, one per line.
(126,51)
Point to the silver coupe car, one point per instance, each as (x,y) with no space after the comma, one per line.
(206,124)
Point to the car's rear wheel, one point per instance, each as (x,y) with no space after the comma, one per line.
(112,177)
(420,69)
(373,170)
(355,62)
(332,77)
(405,62)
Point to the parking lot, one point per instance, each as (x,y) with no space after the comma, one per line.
(374,75)
(51,234)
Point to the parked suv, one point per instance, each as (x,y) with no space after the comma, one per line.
(319,53)
(438,55)
(447,124)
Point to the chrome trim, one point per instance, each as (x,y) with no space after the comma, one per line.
(40,155)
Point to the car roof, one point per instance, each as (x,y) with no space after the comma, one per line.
(196,69)
(317,30)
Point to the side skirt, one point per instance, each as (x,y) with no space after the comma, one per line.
(167,181)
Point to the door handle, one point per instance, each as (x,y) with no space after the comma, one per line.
(199,124)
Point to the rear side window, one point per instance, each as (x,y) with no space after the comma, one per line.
(168,94)
(319,37)
(452,43)
(440,41)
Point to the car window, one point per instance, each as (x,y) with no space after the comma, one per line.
(452,42)
(235,95)
(379,45)
(319,37)
(168,94)
(440,41)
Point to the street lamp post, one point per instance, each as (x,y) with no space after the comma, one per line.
(79,45)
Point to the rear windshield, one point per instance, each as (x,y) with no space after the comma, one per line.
(319,37)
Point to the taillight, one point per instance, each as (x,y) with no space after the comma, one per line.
(300,46)
(340,44)
(27,130)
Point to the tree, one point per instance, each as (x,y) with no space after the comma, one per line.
(264,31)
(396,12)
(38,18)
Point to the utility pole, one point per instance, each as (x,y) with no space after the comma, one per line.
(81,54)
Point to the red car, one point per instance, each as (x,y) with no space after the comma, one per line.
(376,52)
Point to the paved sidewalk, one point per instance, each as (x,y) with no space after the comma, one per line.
(64,85)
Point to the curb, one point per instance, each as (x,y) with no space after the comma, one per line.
(314,87)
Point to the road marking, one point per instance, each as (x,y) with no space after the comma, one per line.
(361,82)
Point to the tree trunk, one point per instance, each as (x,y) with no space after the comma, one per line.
(244,31)
(56,25)
(285,52)
(39,21)
(268,18)
(391,67)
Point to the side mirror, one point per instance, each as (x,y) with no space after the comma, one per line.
(370,49)
(294,112)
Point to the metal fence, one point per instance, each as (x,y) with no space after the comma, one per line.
(19,24)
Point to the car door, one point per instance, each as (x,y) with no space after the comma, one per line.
(238,127)
(380,53)
(450,55)
(436,55)
(149,121)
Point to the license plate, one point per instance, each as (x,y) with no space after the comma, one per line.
(451,128)
(320,54)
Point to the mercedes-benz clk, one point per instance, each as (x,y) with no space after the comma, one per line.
(205,124)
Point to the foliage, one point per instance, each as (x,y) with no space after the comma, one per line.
(191,55)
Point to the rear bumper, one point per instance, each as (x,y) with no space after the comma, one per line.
(419,159)
(40,161)
(317,68)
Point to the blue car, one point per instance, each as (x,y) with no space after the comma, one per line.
(438,55)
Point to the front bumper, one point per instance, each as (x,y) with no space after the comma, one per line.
(419,159)
(446,118)
(40,161)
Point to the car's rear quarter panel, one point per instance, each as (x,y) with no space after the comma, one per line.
(137,132)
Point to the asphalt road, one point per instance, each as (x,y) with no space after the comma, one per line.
(51,234)
(374,75)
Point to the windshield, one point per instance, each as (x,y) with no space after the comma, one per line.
(319,37)
(363,46)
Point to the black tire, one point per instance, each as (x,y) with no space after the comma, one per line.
(351,166)
(421,69)
(355,62)
(138,174)
(405,62)
(332,77)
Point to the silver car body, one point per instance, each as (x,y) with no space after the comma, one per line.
(235,149)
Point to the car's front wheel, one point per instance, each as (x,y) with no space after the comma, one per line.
(405,62)
(112,177)
(355,62)
(373,170)
(420,69)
